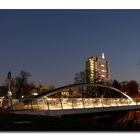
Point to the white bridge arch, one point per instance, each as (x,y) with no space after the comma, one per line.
(55,91)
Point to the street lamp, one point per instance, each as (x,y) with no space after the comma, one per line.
(9,94)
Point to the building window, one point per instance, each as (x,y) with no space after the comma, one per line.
(103,75)
(103,70)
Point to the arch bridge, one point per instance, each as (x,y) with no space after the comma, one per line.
(81,98)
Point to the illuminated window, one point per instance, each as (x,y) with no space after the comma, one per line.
(103,70)
(103,75)
(102,65)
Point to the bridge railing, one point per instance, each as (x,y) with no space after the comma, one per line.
(70,103)
(74,103)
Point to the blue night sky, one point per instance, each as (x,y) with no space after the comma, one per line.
(54,44)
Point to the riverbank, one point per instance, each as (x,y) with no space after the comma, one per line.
(89,122)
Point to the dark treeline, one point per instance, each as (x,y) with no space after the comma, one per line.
(21,86)
(129,87)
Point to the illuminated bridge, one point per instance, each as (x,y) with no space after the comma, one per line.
(79,99)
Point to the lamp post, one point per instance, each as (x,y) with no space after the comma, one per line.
(9,94)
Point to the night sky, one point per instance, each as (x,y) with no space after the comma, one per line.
(54,44)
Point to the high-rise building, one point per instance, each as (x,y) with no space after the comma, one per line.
(97,70)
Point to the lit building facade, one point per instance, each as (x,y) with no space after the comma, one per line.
(97,70)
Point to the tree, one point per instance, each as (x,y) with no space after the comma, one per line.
(23,87)
(132,87)
(20,86)
(124,86)
(116,84)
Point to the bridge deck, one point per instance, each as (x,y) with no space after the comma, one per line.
(63,106)
(58,106)
(78,110)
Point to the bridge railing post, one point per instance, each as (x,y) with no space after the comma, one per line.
(93,102)
(37,103)
(128,102)
(116,101)
(32,105)
(43,103)
(47,103)
(72,104)
(83,102)
(110,102)
(136,101)
(102,102)
(61,102)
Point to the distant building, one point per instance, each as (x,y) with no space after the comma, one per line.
(39,90)
(97,70)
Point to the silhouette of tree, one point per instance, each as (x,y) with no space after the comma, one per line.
(124,87)
(20,86)
(116,84)
(132,87)
(23,87)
